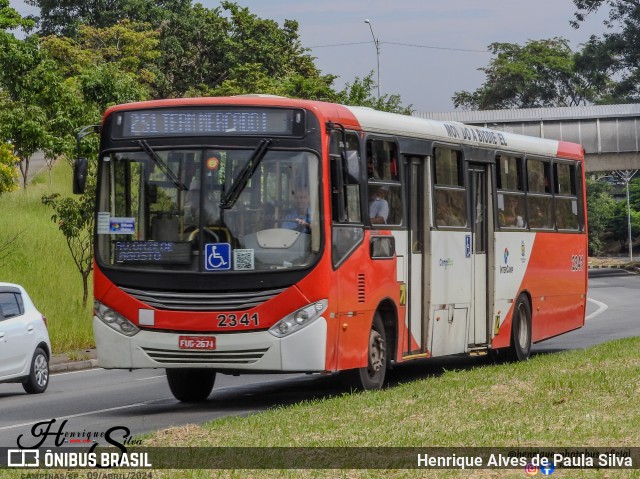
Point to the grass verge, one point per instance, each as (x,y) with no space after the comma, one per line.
(574,399)
(40,261)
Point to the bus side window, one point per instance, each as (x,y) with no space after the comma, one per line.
(384,194)
(566,196)
(450,208)
(511,210)
(539,197)
(347,230)
(450,204)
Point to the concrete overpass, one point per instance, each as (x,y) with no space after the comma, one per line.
(610,134)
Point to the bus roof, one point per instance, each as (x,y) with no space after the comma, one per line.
(449,131)
(370,120)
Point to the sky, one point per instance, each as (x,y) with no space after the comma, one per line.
(428,49)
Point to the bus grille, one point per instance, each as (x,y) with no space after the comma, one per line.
(185,301)
(247,356)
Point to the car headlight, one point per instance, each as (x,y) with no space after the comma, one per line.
(114,320)
(298,319)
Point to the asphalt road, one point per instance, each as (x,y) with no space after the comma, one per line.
(94,401)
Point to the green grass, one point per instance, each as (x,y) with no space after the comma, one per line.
(574,399)
(40,261)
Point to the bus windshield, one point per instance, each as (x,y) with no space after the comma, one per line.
(205,210)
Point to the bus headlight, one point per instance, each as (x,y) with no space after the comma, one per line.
(298,319)
(114,320)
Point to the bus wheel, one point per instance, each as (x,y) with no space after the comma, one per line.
(521,330)
(191,385)
(372,376)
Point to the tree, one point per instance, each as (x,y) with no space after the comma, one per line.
(75,218)
(542,73)
(8,170)
(128,47)
(600,206)
(31,96)
(360,93)
(617,51)
(619,224)
(203,51)
(634,193)
(10,18)
(65,18)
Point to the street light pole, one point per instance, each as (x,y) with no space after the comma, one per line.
(626,176)
(376,42)
(630,239)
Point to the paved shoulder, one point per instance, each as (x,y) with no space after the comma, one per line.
(73,361)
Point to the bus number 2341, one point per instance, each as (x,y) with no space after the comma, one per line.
(233,320)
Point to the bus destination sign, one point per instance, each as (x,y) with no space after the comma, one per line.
(153,252)
(209,121)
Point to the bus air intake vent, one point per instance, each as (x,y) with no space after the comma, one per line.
(171,356)
(361,291)
(188,301)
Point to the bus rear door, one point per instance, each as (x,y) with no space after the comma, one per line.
(478,181)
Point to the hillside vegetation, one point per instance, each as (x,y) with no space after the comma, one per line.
(39,259)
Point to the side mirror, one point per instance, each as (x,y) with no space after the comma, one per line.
(80,168)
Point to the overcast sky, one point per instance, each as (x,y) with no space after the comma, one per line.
(448,38)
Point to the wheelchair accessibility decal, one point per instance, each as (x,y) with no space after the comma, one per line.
(217,256)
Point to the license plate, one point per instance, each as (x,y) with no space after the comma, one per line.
(196,342)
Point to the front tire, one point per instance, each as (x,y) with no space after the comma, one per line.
(372,376)
(520,348)
(191,385)
(38,378)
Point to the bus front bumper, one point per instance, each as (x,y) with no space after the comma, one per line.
(303,350)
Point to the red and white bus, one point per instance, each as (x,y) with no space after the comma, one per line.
(264,234)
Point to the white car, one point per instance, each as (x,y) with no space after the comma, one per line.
(25,347)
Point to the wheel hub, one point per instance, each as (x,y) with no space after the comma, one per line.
(377,352)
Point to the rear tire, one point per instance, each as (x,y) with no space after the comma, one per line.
(520,348)
(372,376)
(38,378)
(191,385)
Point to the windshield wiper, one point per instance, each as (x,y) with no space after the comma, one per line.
(233,194)
(163,166)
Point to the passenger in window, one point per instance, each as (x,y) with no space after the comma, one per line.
(299,218)
(379,206)
(371,169)
(538,217)
(511,216)
(450,210)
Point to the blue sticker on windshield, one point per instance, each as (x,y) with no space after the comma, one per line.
(122,226)
(217,256)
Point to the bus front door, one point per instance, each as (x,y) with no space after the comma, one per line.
(479,187)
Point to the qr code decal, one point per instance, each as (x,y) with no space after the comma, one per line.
(243,259)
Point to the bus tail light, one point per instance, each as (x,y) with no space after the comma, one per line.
(114,320)
(298,319)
